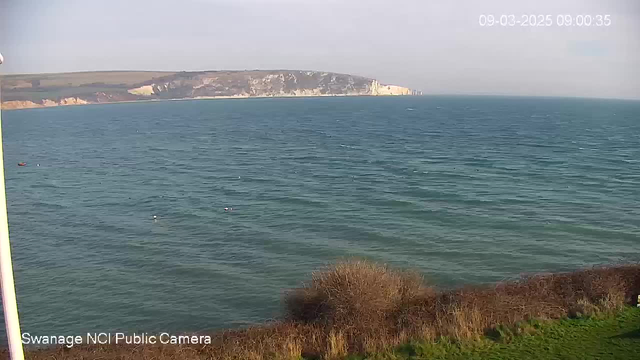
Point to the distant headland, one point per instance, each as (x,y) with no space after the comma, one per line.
(95,87)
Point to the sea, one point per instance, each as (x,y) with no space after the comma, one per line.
(466,190)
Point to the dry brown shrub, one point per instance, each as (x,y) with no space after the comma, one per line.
(462,323)
(336,346)
(583,308)
(354,293)
(612,302)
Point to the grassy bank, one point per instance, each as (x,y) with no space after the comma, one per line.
(361,309)
(605,336)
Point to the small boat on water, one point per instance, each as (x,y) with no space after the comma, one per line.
(22,164)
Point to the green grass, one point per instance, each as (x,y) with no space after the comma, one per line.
(83,78)
(55,94)
(84,84)
(612,337)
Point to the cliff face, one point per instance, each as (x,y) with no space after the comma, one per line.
(253,83)
(17,104)
(380,89)
(194,85)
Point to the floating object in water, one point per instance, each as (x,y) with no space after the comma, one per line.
(155,218)
(410,109)
(228,209)
(37,164)
(22,164)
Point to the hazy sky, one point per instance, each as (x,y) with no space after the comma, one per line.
(434,46)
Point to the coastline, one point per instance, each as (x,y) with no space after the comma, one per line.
(64,89)
(239,97)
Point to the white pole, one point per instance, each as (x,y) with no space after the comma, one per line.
(9,304)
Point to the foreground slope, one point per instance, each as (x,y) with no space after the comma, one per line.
(608,336)
(39,90)
(362,310)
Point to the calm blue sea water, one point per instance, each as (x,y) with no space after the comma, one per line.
(465,189)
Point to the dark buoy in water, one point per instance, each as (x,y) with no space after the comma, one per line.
(22,164)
